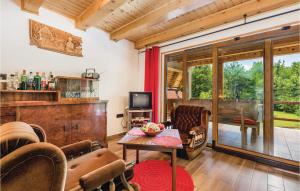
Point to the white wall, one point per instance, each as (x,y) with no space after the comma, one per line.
(118,60)
(224,35)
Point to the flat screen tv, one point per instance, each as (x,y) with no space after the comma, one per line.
(140,100)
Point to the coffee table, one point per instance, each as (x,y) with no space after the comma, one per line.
(142,142)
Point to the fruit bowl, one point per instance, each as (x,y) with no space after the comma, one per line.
(152,129)
(152,134)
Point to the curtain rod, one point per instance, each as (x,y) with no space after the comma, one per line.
(228,28)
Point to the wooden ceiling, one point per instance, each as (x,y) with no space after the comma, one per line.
(174,78)
(148,22)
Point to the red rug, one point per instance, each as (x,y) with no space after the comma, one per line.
(156,175)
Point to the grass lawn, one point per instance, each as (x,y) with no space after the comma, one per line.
(288,124)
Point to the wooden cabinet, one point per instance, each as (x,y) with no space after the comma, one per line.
(64,123)
(7,114)
(55,120)
(85,125)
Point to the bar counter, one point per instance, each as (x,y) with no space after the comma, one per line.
(48,103)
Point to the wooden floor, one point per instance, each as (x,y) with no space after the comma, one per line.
(215,171)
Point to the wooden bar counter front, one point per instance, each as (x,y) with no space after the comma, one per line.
(64,122)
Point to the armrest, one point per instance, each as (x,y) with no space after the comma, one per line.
(197,136)
(102,175)
(77,149)
(199,130)
(39,131)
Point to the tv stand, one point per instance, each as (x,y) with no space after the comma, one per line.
(136,118)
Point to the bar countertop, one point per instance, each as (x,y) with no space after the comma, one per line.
(48,103)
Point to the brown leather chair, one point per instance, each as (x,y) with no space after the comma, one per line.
(28,164)
(192,124)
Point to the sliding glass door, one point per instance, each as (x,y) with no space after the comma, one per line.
(258,97)
(286,90)
(241,96)
(252,87)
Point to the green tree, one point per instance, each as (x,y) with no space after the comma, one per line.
(238,82)
(201,82)
(286,85)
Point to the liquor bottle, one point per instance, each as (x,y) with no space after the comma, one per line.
(24,81)
(51,82)
(43,81)
(37,81)
(30,82)
(16,81)
(11,83)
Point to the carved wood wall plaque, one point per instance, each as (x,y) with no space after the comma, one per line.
(50,38)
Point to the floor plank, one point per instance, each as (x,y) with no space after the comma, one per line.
(216,171)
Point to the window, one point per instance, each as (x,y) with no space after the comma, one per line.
(200,81)
(243,80)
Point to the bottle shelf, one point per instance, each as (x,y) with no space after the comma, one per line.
(29,91)
(28,95)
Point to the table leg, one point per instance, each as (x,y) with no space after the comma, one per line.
(137,156)
(173,160)
(124,153)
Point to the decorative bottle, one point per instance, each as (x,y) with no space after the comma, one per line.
(51,82)
(43,81)
(30,82)
(16,81)
(24,81)
(37,81)
(11,83)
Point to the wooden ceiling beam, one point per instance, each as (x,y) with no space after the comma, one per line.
(164,12)
(237,12)
(31,6)
(277,51)
(96,11)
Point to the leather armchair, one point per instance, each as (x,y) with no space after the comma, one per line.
(29,164)
(192,124)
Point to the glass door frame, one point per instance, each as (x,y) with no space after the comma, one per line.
(268,91)
(268,98)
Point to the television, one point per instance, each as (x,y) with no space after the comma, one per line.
(140,100)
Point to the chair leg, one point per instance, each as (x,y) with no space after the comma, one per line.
(253,135)
(125,183)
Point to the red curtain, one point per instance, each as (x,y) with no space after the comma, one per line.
(152,78)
